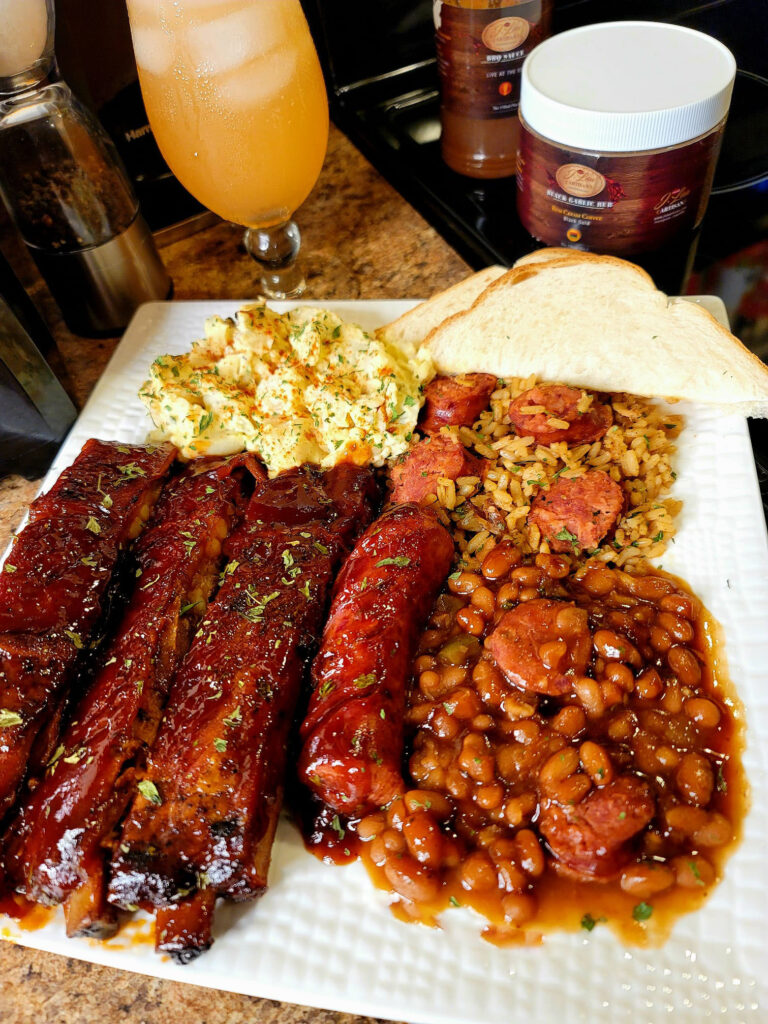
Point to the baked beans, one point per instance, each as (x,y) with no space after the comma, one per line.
(589,745)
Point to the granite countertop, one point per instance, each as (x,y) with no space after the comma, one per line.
(360,239)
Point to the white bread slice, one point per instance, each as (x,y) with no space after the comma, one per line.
(413,327)
(599,322)
(551,253)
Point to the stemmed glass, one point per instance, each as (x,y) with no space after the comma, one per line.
(236,99)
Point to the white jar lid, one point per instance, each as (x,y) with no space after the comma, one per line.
(626,86)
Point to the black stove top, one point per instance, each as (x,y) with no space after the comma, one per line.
(400,133)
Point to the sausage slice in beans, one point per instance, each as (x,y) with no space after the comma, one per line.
(575,514)
(541,645)
(559,403)
(427,462)
(591,839)
(455,401)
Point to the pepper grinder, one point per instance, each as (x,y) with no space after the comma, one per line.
(65,187)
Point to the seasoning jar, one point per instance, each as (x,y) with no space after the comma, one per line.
(621,125)
(65,188)
(481,46)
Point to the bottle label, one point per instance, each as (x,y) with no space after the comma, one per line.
(480,54)
(621,203)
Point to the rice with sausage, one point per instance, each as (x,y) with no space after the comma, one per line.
(636,452)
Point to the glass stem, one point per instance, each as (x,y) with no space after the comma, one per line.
(275,249)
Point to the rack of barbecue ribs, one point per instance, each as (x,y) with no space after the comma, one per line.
(58,840)
(203,818)
(353,731)
(54,589)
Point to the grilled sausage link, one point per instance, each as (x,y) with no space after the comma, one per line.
(353,731)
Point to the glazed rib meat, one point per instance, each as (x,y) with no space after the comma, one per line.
(54,588)
(354,729)
(203,818)
(56,842)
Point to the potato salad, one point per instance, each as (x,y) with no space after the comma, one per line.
(294,387)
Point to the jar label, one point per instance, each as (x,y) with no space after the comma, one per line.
(621,203)
(480,54)
(505,34)
(579,181)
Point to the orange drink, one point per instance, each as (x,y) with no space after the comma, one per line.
(236,99)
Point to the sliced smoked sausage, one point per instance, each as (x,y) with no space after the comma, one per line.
(541,645)
(455,401)
(590,839)
(575,514)
(416,475)
(550,413)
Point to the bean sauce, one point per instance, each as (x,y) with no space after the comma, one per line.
(573,755)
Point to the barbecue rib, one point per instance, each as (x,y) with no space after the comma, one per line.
(204,817)
(54,586)
(57,842)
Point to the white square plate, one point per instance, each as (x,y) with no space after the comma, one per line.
(323,936)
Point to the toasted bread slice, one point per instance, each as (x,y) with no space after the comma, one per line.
(600,322)
(413,327)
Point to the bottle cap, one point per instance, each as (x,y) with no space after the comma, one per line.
(626,86)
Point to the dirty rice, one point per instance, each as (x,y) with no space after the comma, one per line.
(636,452)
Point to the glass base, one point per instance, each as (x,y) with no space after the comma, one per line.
(284,285)
(275,250)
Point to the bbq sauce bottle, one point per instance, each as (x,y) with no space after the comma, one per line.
(481,46)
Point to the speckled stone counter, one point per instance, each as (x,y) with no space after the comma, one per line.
(360,239)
